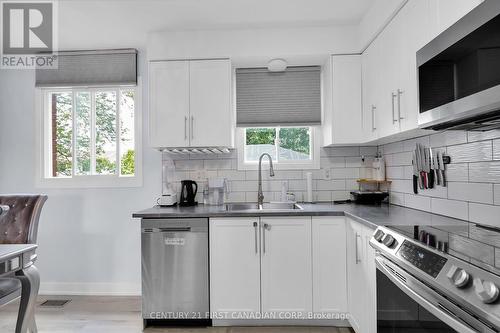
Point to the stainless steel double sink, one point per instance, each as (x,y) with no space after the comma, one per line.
(267,206)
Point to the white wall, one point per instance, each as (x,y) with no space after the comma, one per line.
(309,45)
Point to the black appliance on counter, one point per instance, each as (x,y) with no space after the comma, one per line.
(189,188)
(369,197)
(420,289)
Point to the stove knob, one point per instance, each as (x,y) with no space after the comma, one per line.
(378,235)
(458,276)
(388,240)
(487,291)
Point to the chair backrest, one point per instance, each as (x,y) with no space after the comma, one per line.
(20,224)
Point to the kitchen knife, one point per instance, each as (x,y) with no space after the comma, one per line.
(431,169)
(422,167)
(415,173)
(441,169)
(419,167)
(436,169)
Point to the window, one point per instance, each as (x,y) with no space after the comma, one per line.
(289,147)
(89,136)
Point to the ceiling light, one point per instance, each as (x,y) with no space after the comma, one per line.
(276,65)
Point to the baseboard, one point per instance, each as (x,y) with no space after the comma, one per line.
(90,289)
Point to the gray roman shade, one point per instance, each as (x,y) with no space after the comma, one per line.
(292,97)
(91,68)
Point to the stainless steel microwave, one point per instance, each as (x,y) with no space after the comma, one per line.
(459,73)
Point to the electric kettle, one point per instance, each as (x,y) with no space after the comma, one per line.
(189,188)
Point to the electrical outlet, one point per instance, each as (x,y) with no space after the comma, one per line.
(327,174)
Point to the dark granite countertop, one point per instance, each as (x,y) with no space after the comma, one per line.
(370,215)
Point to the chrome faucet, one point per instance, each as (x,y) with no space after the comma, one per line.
(260,195)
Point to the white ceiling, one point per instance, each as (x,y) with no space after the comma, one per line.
(142,16)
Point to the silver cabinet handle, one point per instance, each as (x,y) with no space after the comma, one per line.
(393,108)
(255,226)
(400,92)
(358,260)
(192,127)
(373,118)
(265,227)
(185,127)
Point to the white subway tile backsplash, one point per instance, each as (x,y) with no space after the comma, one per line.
(244,185)
(496,149)
(448,138)
(409,145)
(484,172)
(218,164)
(395,172)
(484,214)
(496,194)
(479,136)
(392,148)
(188,164)
(330,185)
(297,185)
(436,192)
(345,173)
(471,152)
(451,208)
(340,195)
(397,198)
(418,202)
(474,192)
(457,172)
(368,151)
(332,162)
(351,185)
(353,162)
(232,174)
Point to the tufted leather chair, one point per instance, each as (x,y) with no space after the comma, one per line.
(19,225)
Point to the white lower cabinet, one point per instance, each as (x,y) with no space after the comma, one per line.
(278,264)
(234,265)
(286,268)
(361,278)
(329,264)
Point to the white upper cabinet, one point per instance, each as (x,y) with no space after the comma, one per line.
(390,91)
(342,118)
(446,12)
(210,103)
(190,103)
(169,103)
(286,264)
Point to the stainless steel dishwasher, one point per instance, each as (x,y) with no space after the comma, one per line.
(175,287)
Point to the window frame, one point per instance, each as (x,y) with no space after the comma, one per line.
(313,163)
(43,178)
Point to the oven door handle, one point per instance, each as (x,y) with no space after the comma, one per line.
(440,312)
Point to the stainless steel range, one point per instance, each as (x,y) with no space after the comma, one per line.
(420,289)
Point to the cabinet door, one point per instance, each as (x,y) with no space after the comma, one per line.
(385,64)
(329,265)
(444,13)
(413,23)
(169,103)
(370,111)
(356,288)
(234,265)
(286,264)
(346,90)
(211,120)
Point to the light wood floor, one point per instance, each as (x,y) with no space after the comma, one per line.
(91,314)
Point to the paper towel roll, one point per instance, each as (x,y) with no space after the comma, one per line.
(309,181)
